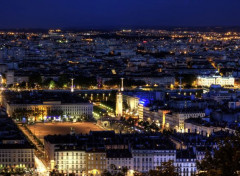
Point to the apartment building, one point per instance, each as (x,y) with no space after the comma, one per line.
(175,119)
(70,159)
(117,159)
(95,161)
(15,151)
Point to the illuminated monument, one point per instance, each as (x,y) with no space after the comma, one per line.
(72,86)
(122,88)
(119,104)
(119,101)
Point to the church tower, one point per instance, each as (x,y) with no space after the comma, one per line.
(119,104)
(119,101)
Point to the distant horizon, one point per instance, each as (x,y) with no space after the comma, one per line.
(114,28)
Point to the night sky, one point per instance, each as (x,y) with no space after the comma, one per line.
(117,13)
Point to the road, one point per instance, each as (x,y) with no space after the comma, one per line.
(41,165)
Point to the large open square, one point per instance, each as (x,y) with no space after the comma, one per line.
(44,129)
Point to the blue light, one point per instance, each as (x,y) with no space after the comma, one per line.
(144,102)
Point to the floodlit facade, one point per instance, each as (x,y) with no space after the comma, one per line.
(15,150)
(210,80)
(175,120)
(200,128)
(70,161)
(95,162)
(145,160)
(68,109)
(119,104)
(17,156)
(186,166)
(117,159)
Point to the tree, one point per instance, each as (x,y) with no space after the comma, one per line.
(85,81)
(127,82)
(106,173)
(37,112)
(52,84)
(187,79)
(166,169)
(124,170)
(46,82)
(130,121)
(225,161)
(55,113)
(23,84)
(35,79)
(63,80)
(22,112)
(154,127)
(119,174)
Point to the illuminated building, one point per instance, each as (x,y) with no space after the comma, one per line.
(52,144)
(15,150)
(141,111)
(90,155)
(95,161)
(17,155)
(132,102)
(119,104)
(73,110)
(175,119)
(219,94)
(192,126)
(148,159)
(70,159)
(163,113)
(118,159)
(185,163)
(150,153)
(119,101)
(210,80)
(10,77)
(138,102)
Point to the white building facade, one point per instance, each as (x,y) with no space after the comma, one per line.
(210,80)
(175,120)
(70,161)
(145,160)
(71,109)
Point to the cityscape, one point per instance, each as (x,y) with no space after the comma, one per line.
(120,101)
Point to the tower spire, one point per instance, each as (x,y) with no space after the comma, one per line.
(122,87)
(72,87)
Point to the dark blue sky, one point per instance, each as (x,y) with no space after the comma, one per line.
(117,13)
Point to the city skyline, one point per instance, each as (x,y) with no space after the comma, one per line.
(120,88)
